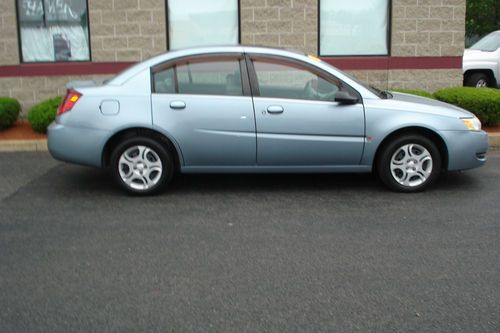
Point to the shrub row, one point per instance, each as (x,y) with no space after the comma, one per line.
(42,114)
(484,102)
(9,111)
(415,92)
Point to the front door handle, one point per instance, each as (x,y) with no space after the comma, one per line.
(275,109)
(177,105)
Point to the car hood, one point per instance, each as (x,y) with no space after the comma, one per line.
(478,55)
(415,103)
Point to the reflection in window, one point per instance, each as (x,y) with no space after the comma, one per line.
(355,27)
(210,77)
(53,30)
(279,80)
(201,22)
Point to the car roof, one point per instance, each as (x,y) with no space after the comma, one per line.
(207,50)
(174,54)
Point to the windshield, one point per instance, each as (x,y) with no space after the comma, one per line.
(489,43)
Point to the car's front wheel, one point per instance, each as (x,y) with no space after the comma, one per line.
(409,163)
(141,165)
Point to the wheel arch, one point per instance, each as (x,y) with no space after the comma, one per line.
(131,132)
(488,72)
(428,133)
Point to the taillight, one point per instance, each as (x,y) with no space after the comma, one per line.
(72,96)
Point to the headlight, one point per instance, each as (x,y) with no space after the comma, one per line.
(472,124)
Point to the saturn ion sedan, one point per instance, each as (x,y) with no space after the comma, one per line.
(244,109)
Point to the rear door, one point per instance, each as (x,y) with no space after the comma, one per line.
(298,121)
(205,104)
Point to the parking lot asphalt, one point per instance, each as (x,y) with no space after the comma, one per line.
(246,253)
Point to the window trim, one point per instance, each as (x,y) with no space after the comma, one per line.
(20,45)
(167,32)
(388,36)
(172,63)
(250,57)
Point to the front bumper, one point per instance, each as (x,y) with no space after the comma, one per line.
(76,144)
(466,149)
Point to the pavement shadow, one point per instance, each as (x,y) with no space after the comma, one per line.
(100,181)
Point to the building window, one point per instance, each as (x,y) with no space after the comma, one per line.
(201,22)
(354,27)
(53,30)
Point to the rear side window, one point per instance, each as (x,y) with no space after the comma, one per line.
(201,77)
(164,81)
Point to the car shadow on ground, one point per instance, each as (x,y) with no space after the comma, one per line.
(96,180)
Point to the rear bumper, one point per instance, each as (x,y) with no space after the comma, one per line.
(466,149)
(75,144)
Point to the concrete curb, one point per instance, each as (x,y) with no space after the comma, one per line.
(41,145)
(494,140)
(23,145)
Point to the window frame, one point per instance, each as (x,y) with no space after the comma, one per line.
(167,20)
(20,45)
(250,57)
(172,63)
(388,36)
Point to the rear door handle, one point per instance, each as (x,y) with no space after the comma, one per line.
(275,109)
(177,105)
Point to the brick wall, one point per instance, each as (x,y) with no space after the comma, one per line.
(9,50)
(284,23)
(127,30)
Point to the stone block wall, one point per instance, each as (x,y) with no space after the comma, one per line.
(9,47)
(280,23)
(127,30)
(133,30)
(428,27)
(30,90)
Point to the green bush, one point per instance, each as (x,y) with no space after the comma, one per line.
(483,102)
(415,92)
(9,111)
(43,113)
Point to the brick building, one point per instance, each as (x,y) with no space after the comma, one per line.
(386,43)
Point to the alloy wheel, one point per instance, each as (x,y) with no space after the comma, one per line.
(140,167)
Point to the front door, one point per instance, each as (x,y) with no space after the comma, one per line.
(298,122)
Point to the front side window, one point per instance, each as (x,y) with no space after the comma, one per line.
(201,77)
(53,30)
(355,27)
(201,22)
(278,79)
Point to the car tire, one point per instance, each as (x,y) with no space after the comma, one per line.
(478,80)
(409,163)
(142,166)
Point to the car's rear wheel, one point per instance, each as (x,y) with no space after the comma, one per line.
(478,80)
(141,165)
(409,163)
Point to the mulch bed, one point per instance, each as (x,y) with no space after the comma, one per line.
(21,131)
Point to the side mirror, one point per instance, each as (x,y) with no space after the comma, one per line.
(344,97)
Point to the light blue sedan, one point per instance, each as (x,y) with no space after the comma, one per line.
(251,109)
